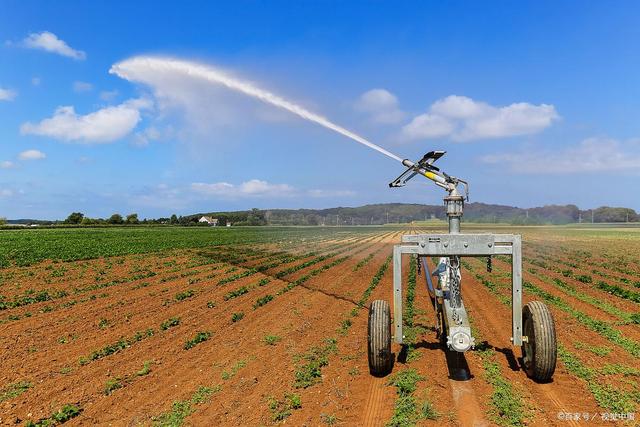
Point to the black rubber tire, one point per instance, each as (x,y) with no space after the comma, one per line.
(379,338)
(539,354)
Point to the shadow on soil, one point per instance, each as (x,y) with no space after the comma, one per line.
(515,364)
(457,366)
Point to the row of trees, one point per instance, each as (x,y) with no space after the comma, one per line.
(79,218)
(369,214)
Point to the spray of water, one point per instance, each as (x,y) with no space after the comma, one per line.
(136,68)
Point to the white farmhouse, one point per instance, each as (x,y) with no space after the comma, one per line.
(211,221)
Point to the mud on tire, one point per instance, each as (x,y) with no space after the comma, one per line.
(379,338)
(540,352)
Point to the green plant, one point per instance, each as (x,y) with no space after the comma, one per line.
(146,368)
(182,409)
(14,390)
(234,294)
(181,296)
(262,301)
(272,339)
(62,415)
(328,419)
(281,409)
(310,372)
(236,317)
(112,385)
(197,339)
(170,323)
(428,411)
(234,370)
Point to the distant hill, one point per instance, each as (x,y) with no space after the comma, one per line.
(403,212)
(376,214)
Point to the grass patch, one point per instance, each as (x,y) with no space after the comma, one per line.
(599,351)
(599,326)
(619,292)
(607,396)
(407,410)
(14,390)
(116,347)
(182,409)
(310,372)
(62,415)
(506,403)
(281,409)
(236,317)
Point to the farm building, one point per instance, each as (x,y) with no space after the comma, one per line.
(209,220)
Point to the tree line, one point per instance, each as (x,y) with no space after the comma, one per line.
(375,214)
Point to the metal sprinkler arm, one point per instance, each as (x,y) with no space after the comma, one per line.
(426,168)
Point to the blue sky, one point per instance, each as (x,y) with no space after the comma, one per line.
(536,103)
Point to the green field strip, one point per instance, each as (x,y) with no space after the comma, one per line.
(603,328)
(579,294)
(27,247)
(407,411)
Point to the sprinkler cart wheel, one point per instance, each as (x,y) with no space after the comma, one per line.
(539,350)
(379,337)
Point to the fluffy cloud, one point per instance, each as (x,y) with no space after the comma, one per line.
(4,192)
(251,188)
(381,105)
(82,86)
(463,119)
(7,94)
(106,125)
(51,43)
(6,164)
(590,155)
(32,155)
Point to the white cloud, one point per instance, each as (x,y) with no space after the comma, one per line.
(106,125)
(590,155)
(381,105)
(32,155)
(35,81)
(463,119)
(4,192)
(7,94)
(251,188)
(108,95)
(143,138)
(51,43)
(427,126)
(79,86)
(6,164)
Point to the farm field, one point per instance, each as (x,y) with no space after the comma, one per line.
(267,325)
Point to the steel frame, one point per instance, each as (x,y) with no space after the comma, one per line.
(462,245)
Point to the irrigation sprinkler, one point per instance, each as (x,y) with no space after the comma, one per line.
(532,326)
